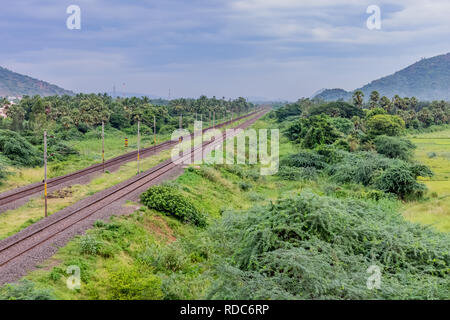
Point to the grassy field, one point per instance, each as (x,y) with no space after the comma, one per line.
(433,149)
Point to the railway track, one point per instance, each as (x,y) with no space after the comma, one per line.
(21,193)
(15,247)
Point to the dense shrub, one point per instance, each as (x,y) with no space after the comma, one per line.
(316,247)
(294,173)
(290,110)
(371,169)
(245,186)
(19,150)
(313,131)
(394,147)
(167,260)
(400,181)
(329,153)
(171,201)
(383,124)
(130,284)
(24,290)
(305,159)
(343,125)
(60,151)
(89,245)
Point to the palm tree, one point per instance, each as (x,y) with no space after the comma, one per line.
(374,98)
(386,104)
(358,98)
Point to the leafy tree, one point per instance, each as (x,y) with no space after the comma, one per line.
(383,124)
(17,114)
(358,99)
(374,99)
(386,104)
(374,112)
(394,147)
(336,109)
(425,116)
(399,103)
(313,131)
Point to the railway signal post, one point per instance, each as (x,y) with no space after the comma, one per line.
(45,172)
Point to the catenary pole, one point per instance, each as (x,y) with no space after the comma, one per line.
(45,172)
(103,145)
(138,146)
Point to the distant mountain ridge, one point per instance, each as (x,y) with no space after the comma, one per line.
(427,79)
(15,84)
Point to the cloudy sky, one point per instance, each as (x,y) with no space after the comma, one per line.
(277,49)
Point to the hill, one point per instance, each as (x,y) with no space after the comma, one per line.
(427,79)
(15,84)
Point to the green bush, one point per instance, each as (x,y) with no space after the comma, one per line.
(316,247)
(342,144)
(131,284)
(384,124)
(24,290)
(245,186)
(394,147)
(60,151)
(19,150)
(295,174)
(89,245)
(171,201)
(167,260)
(313,131)
(400,181)
(374,170)
(343,125)
(329,153)
(305,159)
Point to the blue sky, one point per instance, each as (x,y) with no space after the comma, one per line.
(277,49)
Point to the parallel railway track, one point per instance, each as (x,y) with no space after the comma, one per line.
(16,246)
(11,196)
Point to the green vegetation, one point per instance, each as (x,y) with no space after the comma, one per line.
(336,207)
(300,234)
(395,148)
(74,129)
(169,200)
(18,150)
(315,247)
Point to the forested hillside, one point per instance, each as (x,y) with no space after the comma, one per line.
(428,79)
(15,84)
